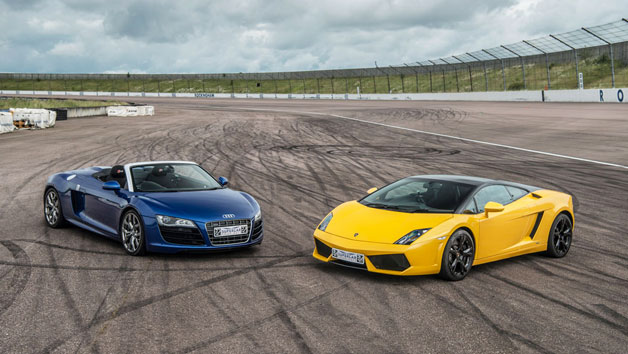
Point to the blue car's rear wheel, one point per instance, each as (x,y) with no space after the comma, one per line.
(52,209)
(132,234)
(457,256)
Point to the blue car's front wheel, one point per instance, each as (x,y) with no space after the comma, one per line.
(132,232)
(52,209)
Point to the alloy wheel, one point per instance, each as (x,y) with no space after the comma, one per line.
(51,207)
(460,255)
(562,236)
(131,232)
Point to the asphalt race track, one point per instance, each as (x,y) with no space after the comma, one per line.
(68,290)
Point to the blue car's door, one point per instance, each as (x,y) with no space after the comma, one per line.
(103,207)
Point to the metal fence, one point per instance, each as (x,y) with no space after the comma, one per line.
(592,57)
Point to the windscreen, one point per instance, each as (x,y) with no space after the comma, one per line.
(172,178)
(418,195)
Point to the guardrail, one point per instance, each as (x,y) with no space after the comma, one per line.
(585,95)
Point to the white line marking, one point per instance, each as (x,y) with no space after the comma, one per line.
(444,136)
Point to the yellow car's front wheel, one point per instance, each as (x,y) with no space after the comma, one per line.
(457,256)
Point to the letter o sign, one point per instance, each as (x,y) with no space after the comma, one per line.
(620,95)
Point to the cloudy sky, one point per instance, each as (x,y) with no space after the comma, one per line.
(193,36)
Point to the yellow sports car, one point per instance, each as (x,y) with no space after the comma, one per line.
(443,225)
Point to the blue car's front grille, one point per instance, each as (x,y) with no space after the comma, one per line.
(228,240)
(182,235)
(257,230)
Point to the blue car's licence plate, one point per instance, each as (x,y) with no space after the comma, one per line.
(231,230)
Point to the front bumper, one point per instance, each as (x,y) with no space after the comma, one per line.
(156,242)
(417,259)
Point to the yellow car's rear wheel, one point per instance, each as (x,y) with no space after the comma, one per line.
(457,256)
(560,237)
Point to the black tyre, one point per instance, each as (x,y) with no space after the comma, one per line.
(132,234)
(53,214)
(560,237)
(457,256)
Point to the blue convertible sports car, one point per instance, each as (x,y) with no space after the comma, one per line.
(160,206)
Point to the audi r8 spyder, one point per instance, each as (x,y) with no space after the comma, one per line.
(440,224)
(159,206)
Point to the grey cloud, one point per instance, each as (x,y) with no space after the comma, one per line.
(257,35)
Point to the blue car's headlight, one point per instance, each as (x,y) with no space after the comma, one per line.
(258,216)
(176,222)
(411,237)
(325,222)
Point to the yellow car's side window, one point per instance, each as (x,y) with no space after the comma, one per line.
(494,193)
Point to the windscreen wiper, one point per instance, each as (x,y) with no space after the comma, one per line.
(382,206)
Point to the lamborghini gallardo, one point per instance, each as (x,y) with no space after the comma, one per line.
(441,224)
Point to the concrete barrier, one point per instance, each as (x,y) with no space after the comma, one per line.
(86,111)
(6,122)
(588,95)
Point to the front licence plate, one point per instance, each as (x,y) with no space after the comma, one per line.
(347,256)
(231,230)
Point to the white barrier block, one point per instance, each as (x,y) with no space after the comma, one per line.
(6,122)
(130,111)
(40,118)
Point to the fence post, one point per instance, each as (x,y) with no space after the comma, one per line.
(523,70)
(403,90)
(374,85)
(470,77)
(346,85)
(431,88)
(610,45)
(503,69)
(318,86)
(416,76)
(303,79)
(575,55)
(549,81)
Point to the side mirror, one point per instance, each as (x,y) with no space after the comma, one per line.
(493,207)
(371,190)
(111,186)
(223,181)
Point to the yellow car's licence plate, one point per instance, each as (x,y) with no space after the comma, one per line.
(357,258)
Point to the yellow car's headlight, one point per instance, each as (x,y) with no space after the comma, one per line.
(325,222)
(411,237)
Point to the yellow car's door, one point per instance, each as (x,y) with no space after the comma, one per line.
(504,231)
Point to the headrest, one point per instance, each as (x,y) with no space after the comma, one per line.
(161,170)
(117,171)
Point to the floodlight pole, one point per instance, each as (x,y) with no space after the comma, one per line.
(503,70)
(575,54)
(484,65)
(549,81)
(523,69)
(610,45)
